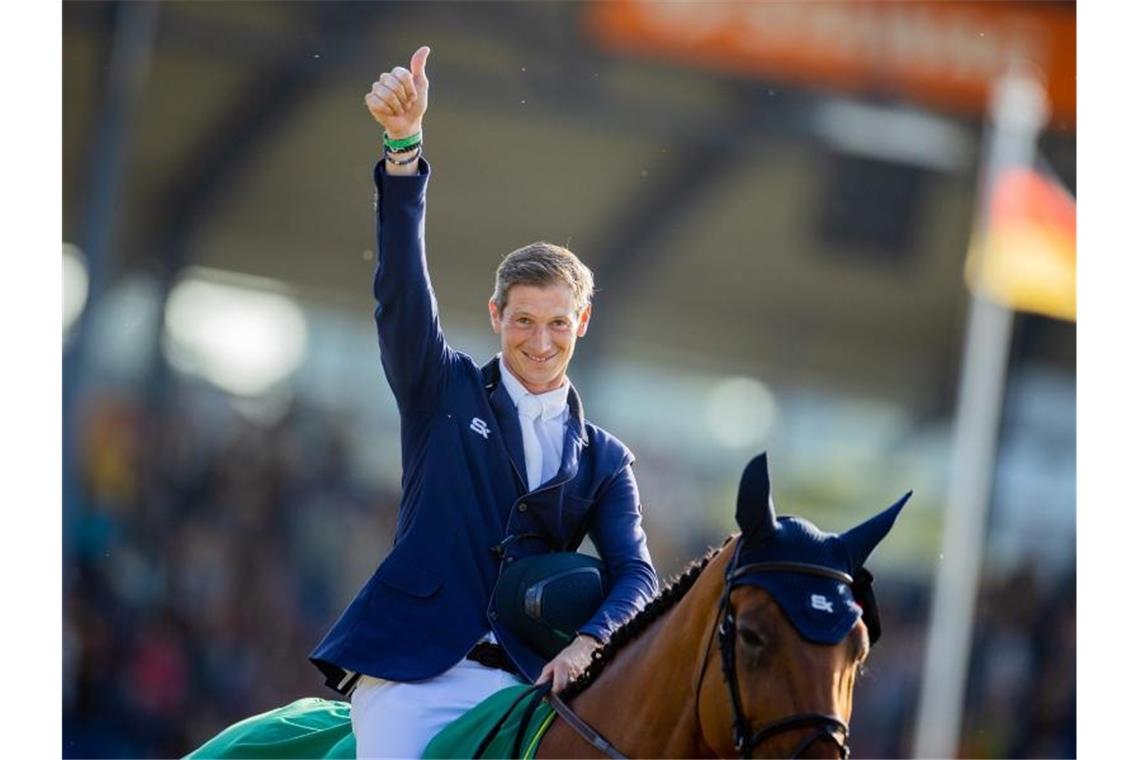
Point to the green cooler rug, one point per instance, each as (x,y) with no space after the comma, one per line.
(463,736)
(307,728)
(322,728)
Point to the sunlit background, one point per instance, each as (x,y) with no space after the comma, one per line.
(777,200)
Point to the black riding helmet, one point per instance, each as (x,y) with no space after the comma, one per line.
(546,598)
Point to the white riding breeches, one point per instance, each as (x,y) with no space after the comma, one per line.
(398,719)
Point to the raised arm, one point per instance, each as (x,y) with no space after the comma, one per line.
(398,101)
(412,347)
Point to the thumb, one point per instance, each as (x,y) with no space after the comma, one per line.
(419,61)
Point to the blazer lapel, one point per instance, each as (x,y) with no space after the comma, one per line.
(575,439)
(507,417)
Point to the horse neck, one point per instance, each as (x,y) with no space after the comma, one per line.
(644,700)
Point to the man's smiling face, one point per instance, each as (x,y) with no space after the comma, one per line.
(537,331)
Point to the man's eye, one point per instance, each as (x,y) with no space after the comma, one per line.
(522,321)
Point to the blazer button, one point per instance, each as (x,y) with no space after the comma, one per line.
(522,507)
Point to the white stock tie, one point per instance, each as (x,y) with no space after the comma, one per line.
(531,410)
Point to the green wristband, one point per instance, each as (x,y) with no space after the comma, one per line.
(404,143)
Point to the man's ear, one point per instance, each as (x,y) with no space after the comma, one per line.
(496,318)
(584,320)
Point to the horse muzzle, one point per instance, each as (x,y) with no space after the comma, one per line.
(830,729)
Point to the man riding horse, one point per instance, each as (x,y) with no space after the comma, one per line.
(499,464)
(752,651)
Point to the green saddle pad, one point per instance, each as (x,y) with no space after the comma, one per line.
(322,728)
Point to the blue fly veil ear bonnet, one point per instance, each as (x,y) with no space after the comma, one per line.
(816,578)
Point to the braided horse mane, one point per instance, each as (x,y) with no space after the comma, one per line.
(673,592)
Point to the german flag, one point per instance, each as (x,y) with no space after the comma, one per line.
(1024,253)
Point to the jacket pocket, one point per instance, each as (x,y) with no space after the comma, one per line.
(410,579)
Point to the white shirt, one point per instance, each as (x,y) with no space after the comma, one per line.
(543,421)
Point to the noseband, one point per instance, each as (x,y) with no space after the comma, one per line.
(829,727)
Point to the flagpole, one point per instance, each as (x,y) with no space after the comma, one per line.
(1018,111)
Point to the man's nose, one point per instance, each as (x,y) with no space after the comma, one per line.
(542,340)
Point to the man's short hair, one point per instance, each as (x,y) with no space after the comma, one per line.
(543,264)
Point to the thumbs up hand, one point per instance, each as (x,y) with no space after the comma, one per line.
(399,98)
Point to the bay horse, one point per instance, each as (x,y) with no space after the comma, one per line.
(752,651)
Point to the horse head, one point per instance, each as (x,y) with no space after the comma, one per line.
(796,621)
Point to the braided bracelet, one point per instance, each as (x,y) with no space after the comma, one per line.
(404,143)
(403,161)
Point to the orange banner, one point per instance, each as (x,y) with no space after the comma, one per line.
(945,54)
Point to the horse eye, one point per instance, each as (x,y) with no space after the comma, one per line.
(752,639)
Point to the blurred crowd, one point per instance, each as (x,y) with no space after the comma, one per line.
(208,553)
(1021,698)
(206,561)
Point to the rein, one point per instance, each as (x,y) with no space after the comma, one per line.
(584,729)
(537,692)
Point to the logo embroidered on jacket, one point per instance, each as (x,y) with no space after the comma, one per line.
(821,603)
(480,427)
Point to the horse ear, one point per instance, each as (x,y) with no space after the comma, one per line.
(755,512)
(863,538)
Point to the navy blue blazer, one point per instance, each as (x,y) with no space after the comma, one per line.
(466,512)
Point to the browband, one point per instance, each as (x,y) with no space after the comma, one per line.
(803,568)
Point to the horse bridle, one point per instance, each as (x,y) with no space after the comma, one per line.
(828,727)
